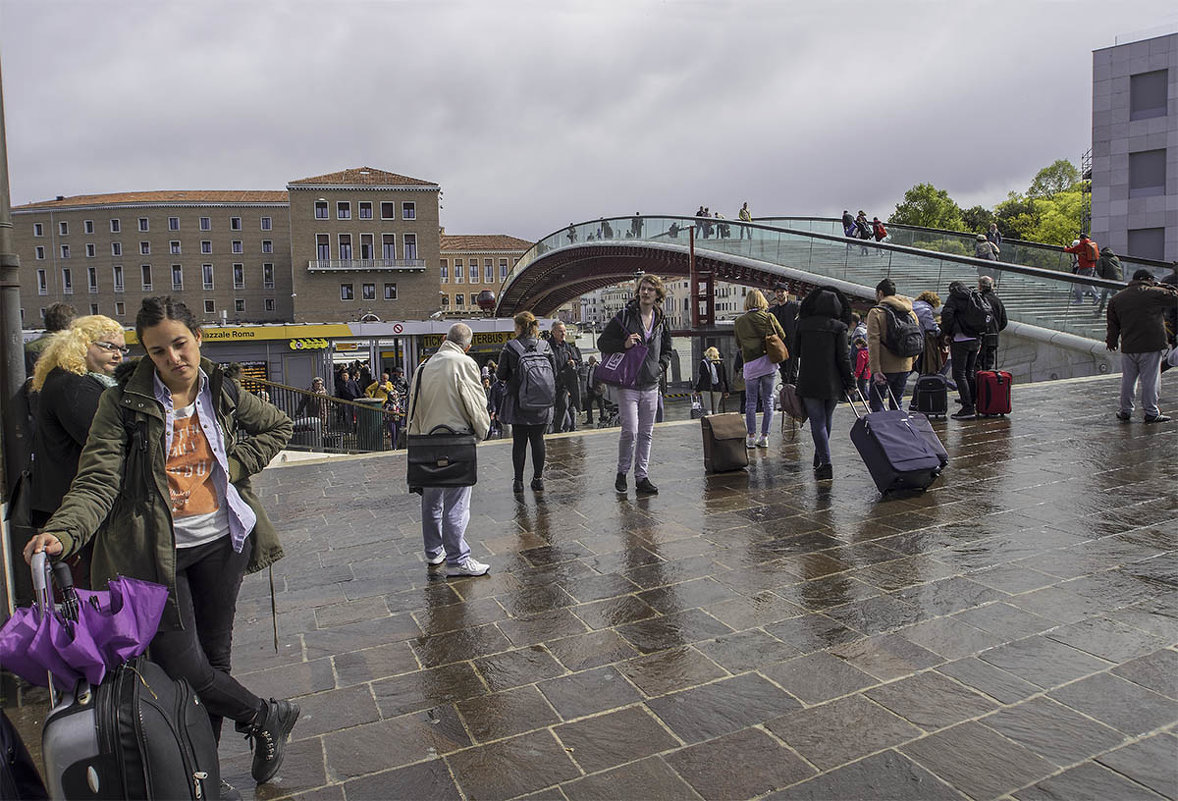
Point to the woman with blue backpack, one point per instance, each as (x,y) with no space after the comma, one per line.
(528,369)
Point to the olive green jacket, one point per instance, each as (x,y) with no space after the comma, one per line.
(121,491)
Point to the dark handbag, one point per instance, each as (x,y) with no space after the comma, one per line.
(441,458)
(791,404)
(621,369)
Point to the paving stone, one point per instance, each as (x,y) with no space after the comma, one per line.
(515,668)
(812,632)
(1043,661)
(425,781)
(965,756)
(1006,688)
(589,692)
(608,740)
(1152,762)
(885,775)
(1157,671)
(744,764)
(670,670)
(614,612)
(669,631)
(400,741)
(837,732)
(818,677)
(1110,699)
(721,707)
(650,779)
(374,663)
(491,717)
(950,637)
(584,651)
(886,656)
(512,767)
(930,700)
(1088,782)
(1054,731)
(335,709)
(746,650)
(1107,639)
(412,692)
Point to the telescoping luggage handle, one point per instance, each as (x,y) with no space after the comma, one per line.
(44,575)
(863,400)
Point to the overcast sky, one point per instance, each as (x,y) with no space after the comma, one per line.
(532,114)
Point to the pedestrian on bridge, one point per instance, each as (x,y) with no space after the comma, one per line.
(745,216)
(1135,325)
(1087,255)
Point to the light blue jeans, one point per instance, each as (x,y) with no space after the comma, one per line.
(759,388)
(637,409)
(1146,367)
(445,511)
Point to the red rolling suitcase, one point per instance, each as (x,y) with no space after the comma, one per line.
(993,392)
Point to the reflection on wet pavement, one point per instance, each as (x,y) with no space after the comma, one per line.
(1009,634)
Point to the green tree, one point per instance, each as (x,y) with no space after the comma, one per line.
(977,219)
(1058,217)
(1059,177)
(928,207)
(1016,216)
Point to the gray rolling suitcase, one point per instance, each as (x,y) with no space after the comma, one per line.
(137,735)
(900,450)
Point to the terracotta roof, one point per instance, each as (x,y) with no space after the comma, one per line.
(185,196)
(361,176)
(466,243)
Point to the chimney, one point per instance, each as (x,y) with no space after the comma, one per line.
(61,197)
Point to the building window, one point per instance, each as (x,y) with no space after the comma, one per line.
(42,282)
(343,210)
(1148,243)
(239,305)
(238,247)
(234,223)
(474,271)
(239,276)
(366,246)
(146,276)
(92,279)
(206,223)
(88,226)
(388,210)
(459,299)
(63,228)
(388,247)
(270,306)
(322,247)
(445,301)
(117,277)
(267,245)
(144,224)
(206,276)
(503,269)
(41,252)
(38,229)
(267,224)
(173,223)
(210,307)
(489,271)
(365,210)
(177,277)
(267,276)
(390,291)
(368,291)
(65,251)
(345,247)
(346,292)
(1147,95)
(408,211)
(457,270)
(120,308)
(1147,174)
(144,248)
(320,209)
(444,272)
(206,246)
(115,226)
(174,246)
(67,281)
(94,308)
(116,248)
(410,244)
(90,251)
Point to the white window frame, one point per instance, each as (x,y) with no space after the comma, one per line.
(65,251)
(267,224)
(368,291)
(267,245)
(390,291)
(117,279)
(239,305)
(63,228)
(238,246)
(361,206)
(210,306)
(67,281)
(144,224)
(38,229)
(206,246)
(392,207)
(343,209)
(173,223)
(90,250)
(206,223)
(88,226)
(116,248)
(409,246)
(267,275)
(120,308)
(177,277)
(347,292)
(92,279)
(145,277)
(270,304)
(238,275)
(42,282)
(116,227)
(408,210)
(207,277)
(145,248)
(234,223)
(388,246)
(322,205)
(40,252)
(174,247)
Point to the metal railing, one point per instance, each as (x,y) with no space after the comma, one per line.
(398,265)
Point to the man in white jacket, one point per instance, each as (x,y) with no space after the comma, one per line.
(448,392)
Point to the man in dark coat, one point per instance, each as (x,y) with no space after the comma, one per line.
(988,357)
(786,312)
(1135,325)
(568,380)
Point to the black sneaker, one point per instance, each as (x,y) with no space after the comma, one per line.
(824,472)
(538,484)
(1124,418)
(620,483)
(1158,418)
(965,414)
(268,736)
(644,487)
(517,485)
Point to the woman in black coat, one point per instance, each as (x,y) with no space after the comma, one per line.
(825,372)
(712,383)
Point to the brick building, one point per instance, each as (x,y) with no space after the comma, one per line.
(473,263)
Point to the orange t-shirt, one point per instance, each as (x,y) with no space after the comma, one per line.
(196,508)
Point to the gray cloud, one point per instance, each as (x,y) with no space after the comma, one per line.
(532,114)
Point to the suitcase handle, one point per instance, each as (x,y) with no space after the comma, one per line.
(866,405)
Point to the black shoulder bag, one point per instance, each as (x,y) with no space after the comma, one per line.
(441,458)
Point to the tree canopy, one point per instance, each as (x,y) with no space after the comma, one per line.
(928,207)
(1050,181)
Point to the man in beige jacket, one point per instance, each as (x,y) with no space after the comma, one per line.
(887,369)
(447,392)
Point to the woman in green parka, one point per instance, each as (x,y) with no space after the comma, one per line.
(163,489)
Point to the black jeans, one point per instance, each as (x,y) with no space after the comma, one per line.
(965,367)
(988,354)
(568,402)
(207,580)
(520,437)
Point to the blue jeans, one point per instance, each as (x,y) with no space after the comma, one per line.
(821,413)
(759,389)
(897,381)
(445,511)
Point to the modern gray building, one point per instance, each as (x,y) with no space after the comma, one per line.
(1135,147)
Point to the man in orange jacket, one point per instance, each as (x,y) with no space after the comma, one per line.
(1087,254)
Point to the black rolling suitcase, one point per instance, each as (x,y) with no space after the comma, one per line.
(137,735)
(724,446)
(930,396)
(901,450)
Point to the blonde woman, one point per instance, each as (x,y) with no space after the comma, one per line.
(751,328)
(712,383)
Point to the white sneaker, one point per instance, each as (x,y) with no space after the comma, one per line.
(468,567)
(435,560)
(750,442)
(763,441)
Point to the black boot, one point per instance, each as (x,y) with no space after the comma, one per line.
(268,734)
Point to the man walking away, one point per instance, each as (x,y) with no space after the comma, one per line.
(58,317)
(1087,254)
(1108,267)
(988,356)
(1135,321)
(965,319)
(888,321)
(447,392)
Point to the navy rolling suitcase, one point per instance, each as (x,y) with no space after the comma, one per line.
(900,450)
(930,396)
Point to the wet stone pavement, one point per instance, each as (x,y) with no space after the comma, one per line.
(1010,634)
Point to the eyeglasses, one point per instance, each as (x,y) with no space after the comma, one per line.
(110,346)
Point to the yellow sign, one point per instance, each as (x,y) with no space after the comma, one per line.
(259,333)
(308,344)
(484,338)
